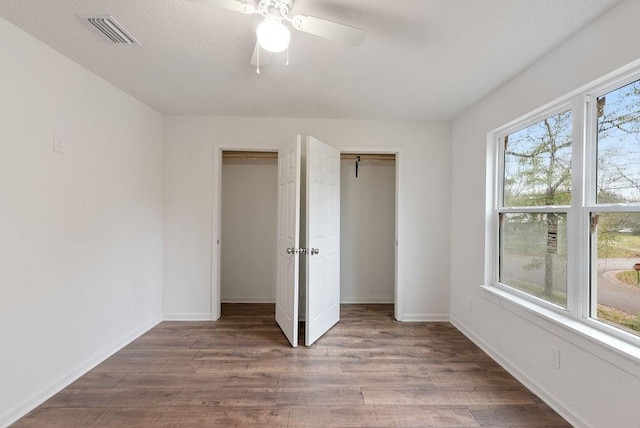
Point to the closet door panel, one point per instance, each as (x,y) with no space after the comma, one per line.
(323,239)
(288,239)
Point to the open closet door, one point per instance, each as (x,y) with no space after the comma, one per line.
(288,240)
(323,239)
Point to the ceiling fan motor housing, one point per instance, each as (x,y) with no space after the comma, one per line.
(273,8)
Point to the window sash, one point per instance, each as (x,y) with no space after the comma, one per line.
(519,126)
(527,276)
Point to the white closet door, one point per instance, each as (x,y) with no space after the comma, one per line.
(323,239)
(288,230)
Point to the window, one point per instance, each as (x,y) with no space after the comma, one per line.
(536,194)
(567,213)
(614,209)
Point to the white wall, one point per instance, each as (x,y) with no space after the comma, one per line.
(189,208)
(248,230)
(367,231)
(588,390)
(80,231)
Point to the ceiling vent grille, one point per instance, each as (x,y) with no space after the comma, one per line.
(111,29)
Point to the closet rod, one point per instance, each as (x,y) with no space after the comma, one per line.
(368,156)
(246,155)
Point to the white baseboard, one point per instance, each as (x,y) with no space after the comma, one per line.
(189,316)
(424,318)
(17,412)
(522,377)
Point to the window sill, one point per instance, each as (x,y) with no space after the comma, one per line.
(622,354)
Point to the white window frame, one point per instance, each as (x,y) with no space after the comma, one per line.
(499,198)
(590,204)
(576,316)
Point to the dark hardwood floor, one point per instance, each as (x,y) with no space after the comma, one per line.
(367,371)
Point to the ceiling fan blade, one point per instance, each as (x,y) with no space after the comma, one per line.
(329,29)
(265,56)
(235,5)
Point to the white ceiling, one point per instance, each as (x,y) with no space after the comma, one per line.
(422,59)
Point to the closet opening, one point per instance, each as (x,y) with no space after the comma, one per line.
(245,266)
(367,227)
(247,226)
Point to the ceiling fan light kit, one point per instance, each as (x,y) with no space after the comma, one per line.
(273,35)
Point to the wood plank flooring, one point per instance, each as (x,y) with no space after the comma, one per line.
(368,371)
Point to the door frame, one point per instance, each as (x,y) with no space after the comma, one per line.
(399,230)
(216,216)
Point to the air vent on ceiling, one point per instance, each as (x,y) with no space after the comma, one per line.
(110,28)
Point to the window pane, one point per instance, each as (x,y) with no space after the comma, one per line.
(615,286)
(618,164)
(537,163)
(533,254)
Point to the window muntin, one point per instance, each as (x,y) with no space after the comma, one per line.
(618,145)
(533,254)
(537,163)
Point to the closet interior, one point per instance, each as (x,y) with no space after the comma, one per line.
(248,227)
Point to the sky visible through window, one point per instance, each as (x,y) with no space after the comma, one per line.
(618,150)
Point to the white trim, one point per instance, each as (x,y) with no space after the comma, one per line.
(216,216)
(560,106)
(614,208)
(216,221)
(21,410)
(577,252)
(522,377)
(563,209)
(534,300)
(398,151)
(216,203)
(493,180)
(425,318)
(205,316)
(620,79)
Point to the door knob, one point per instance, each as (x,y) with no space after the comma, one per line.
(301,250)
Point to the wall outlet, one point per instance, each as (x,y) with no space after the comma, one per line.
(469,305)
(58,144)
(555,357)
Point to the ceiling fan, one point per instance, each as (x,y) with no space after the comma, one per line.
(273,34)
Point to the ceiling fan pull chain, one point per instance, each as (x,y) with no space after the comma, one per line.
(258,61)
